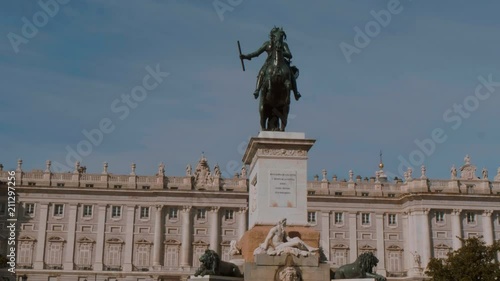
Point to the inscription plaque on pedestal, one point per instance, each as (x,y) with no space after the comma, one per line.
(283,188)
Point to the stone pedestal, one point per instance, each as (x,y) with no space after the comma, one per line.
(265,268)
(214,278)
(278,178)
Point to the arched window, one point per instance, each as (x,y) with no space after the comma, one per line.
(199,248)
(172,248)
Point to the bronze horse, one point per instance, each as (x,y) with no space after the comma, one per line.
(274,104)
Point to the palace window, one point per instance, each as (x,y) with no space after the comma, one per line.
(84,259)
(441,251)
(143,254)
(339,255)
(89,185)
(145,187)
(394,259)
(60,184)
(114,253)
(337,193)
(229,215)
(26,246)
(55,252)
(439,216)
(172,253)
(225,247)
(201,214)
(144,213)
(29,209)
(173,213)
(116,211)
(58,210)
(364,194)
(198,250)
(392,219)
(471,217)
(391,195)
(339,218)
(311,217)
(365,218)
(87,211)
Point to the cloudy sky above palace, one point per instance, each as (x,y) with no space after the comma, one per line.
(397,89)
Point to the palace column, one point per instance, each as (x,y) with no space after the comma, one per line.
(406,233)
(186,236)
(353,239)
(42,230)
(325,233)
(456,229)
(70,247)
(487,227)
(157,244)
(99,249)
(214,229)
(379,224)
(242,221)
(129,239)
(424,237)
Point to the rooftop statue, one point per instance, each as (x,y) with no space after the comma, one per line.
(275,81)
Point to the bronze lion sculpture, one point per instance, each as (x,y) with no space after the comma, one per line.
(361,268)
(212,265)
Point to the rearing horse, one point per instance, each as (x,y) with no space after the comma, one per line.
(274,104)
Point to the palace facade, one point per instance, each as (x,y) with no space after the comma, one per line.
(81,226)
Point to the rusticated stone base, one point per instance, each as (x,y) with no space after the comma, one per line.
(255,236)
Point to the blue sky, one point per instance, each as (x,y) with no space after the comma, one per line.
(394,91)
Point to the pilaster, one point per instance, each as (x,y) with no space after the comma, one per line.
(41,238)
(70,248)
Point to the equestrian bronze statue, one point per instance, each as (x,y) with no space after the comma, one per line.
(276,79)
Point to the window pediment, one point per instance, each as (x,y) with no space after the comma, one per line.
(340,246)
(56,239)
(85,240)
(27,239)
(143,241)
(200,243)
(172,242)
(114,241)
(394,248)
(442,246)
